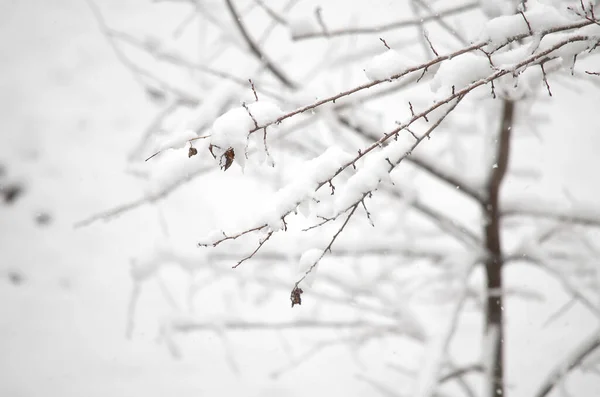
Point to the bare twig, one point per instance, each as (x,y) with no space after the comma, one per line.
(426,36)
(250,114)
(137,71)
(450,226)
(148,199)
(460,372)
(441,20)
(180,61)
(320,21)
(526,21)
(545,78)
(533,59)
(390,26)
(421,27)
(232,237)
(567,285)
(253,89)
(385,43)
(153,127)
(272,13)
(260,244)
(237,19)
(561,310)
(328,248)
(575,358)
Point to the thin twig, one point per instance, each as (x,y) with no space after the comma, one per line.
(545,78)
(272,13)
(385,43)
(148,199)
(441,20)
(328,248)
(426,36)
(260,244)
(442,58)
(177,60)
(574,359)
(237,19)
(460,372)
(390,26)
(137,71)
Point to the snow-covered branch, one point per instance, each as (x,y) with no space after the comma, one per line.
(494,41)
(393,154)
(331,144)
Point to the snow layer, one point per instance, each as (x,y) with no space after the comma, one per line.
(303,187)
(232,129)
(293,196)
(376,168)
(386,65)
(176,140)
(538,17)
(460,72)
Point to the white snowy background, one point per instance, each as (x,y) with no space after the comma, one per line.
(71,114)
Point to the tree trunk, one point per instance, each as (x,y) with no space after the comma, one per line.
(494,326)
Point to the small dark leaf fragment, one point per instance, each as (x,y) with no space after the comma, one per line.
(227,159)
(296,297)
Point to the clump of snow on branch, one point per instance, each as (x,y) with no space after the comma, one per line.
(288,199)
(173,165)
(459,72)
(386,65)
(568,51)
(176,140)
(376,168)
(232,129)
(315,172)
(538,17)
(496,8)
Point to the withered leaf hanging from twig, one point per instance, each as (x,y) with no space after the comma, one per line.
(296,297)
(226,159)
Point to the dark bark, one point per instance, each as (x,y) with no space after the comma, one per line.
(494,326)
